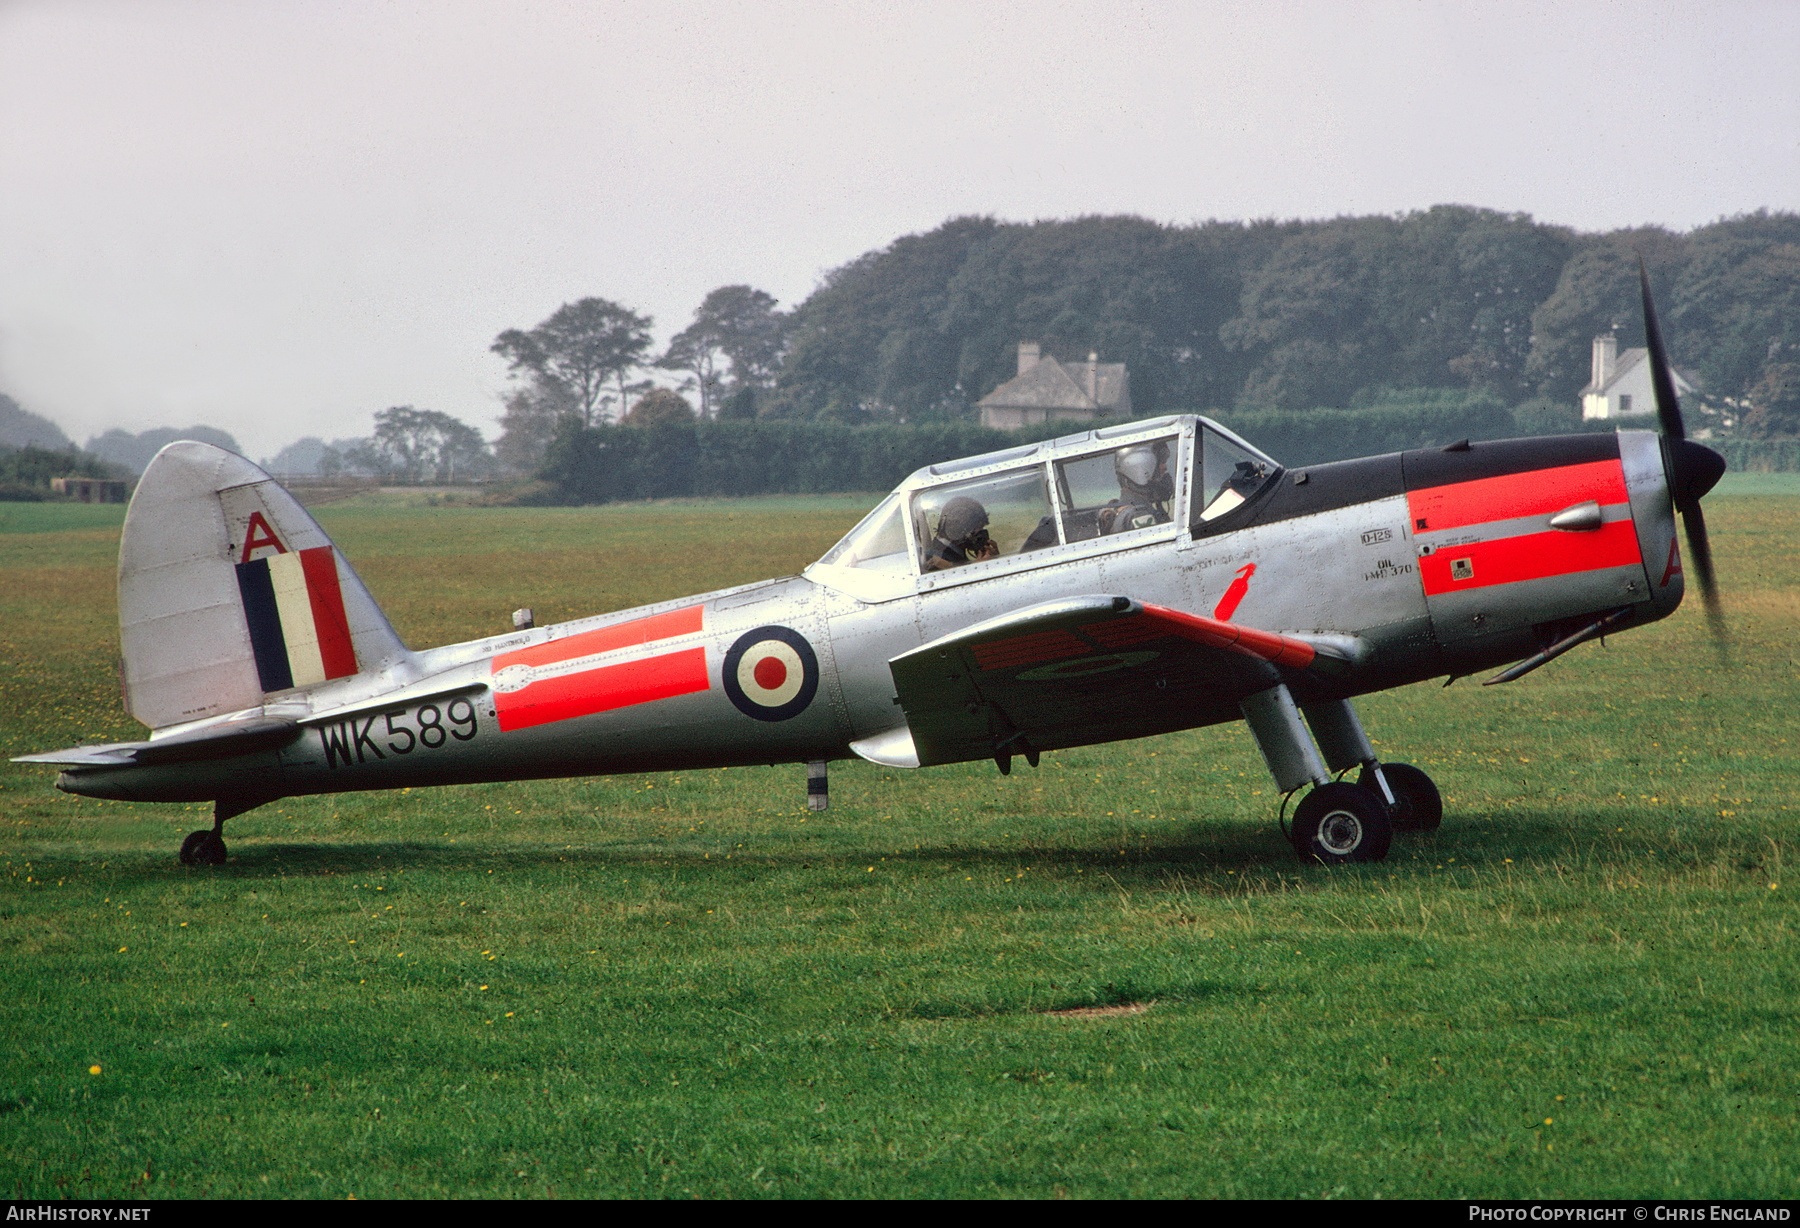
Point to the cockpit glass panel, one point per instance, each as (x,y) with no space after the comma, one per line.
(878,543)
(985,518)
(1120,489)
(1230,473)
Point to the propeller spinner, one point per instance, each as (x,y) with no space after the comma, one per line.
(1693,469)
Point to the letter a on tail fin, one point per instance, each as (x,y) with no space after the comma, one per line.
(230,592)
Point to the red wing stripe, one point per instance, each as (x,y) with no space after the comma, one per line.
(1033,649)
(1539,492)
(1280,649)
(1125,632)
(1154,623)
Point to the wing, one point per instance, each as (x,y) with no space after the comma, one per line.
(1084,670)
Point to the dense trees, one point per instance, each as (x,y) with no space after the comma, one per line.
(739,326)
(26,473)
(728,458)
(1736,303)
(870,342)
(660,407)
(570,357)
(1317,339)
(423,445)
(1451,313)
(1135,292)
(1774,403)
(1291,315)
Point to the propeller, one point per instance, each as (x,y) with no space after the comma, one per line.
(1693,470)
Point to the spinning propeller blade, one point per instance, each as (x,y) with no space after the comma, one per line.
(1693,469)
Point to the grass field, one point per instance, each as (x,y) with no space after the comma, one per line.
(1105,977)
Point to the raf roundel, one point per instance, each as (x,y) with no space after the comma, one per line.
(771,673)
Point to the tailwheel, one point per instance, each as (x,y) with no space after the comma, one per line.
(1417,804)
(1341,822)
(203,848)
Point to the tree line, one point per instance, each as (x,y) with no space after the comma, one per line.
(1296,315)
(1295,328)
(1220,317)
(1315,339)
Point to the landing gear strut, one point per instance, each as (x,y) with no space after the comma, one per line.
(207,848)
(203,848)
(1417,804)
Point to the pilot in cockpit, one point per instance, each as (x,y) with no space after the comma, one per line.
(962,536)
(1145,487)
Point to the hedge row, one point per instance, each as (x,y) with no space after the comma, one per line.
(1317,436)
(1758,455)
(729,459)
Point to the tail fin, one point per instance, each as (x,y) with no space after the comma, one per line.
(230,593)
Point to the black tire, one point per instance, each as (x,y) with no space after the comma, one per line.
(203,848)
(1418,804)
(1340,823)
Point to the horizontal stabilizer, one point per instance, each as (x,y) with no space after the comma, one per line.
(220,741)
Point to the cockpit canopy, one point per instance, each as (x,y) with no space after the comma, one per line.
(1117,486)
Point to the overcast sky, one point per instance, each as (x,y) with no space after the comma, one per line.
(278,218)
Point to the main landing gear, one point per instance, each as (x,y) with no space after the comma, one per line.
(1341,822)
(1417,803)
(1338,821)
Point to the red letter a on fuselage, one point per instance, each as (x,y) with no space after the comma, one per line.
(1674,567)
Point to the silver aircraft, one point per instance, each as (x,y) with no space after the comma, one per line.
(1120,582)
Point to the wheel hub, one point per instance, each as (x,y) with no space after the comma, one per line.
(1340,832)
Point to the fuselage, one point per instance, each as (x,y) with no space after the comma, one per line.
(1421,563)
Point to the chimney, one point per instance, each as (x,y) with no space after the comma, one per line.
(1606,358)
(1093,377)
(1028,356)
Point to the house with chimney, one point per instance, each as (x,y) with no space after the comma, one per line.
(1046,390)
(1620,385)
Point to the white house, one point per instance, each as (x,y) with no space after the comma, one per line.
(1046,390)
(1620,385)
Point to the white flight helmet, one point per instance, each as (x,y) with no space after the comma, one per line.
(1135,467)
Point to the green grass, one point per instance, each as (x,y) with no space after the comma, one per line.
(1105,977)
(1760,484)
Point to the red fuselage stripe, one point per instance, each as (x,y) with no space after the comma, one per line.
(1532,556)
(606,639)
(603,689)
(1541,492)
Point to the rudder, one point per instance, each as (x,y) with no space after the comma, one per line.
(230,593)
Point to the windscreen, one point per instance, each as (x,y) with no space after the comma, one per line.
(1230,472)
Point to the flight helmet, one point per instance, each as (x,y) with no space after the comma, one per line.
(961,519)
